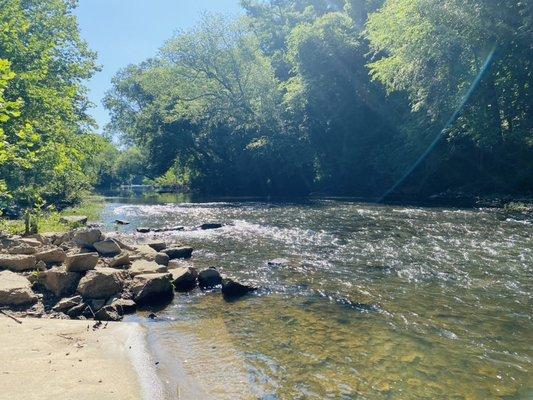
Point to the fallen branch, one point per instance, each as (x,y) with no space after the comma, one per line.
(10,316)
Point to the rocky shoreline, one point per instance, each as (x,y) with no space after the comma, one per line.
(84,274)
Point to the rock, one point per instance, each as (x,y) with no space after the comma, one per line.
(232,289)
(179,252)
(77,310)
(169,229)
(124,305)
(67,303)
(184,278)
(152,288)
(30,241)
(97,304)
(158,246)
(17,262)
(42,239)
(74,219)
(278,262)
(121,260)
(40,266)
(51,255)
(139,267)
(121,222)
(210,226)
(87,237)
(162,259)
(107,248)
(143,230)
(22,248)
(123,245)
(102,283)
(15,289)
(209,278)
(80,262)
(108,313)
(59,281)
(146,252)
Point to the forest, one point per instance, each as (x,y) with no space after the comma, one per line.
(363,98)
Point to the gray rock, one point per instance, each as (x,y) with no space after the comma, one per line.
(17,262)
(66,304)
(59,281)
(143,230)
(152,288)
(79,262)
(86,237)
(31,241)
(121,260)
(146,252)
(107,248)
(162,259)
(53,255)
(139,267)
(108,313)
(209,278)
(22,248)
(74,219)
(158,246)
(15,289)
(179,252)
(184,278)
(97,304)
(77,310)
(232,289)
(102,283)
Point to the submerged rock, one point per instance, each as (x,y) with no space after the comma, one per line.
(143,230)
(184,278)
(80,262)
(102,283)
(278,262)
(209,278)
(17,262)
(121,222)
(210,226)
(152,288)
(232,289)
(179,252)
(15,289)
(60,281)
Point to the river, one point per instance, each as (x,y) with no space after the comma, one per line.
(371,302)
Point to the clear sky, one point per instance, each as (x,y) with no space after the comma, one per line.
(129,31)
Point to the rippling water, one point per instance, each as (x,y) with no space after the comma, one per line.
(373,301)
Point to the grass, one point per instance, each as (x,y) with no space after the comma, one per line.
(91,207)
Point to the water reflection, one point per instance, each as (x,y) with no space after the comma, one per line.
(373,302)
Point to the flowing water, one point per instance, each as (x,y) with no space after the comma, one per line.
(371,301)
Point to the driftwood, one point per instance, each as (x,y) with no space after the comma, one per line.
(10,316)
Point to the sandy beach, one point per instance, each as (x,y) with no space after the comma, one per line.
(66,359)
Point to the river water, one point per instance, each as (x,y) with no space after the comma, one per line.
(371,301)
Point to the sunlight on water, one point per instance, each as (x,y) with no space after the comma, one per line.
(375,302)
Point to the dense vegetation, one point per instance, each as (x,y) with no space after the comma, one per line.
(293,97)
(338,97)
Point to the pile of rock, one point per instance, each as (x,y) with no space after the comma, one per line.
(83,274)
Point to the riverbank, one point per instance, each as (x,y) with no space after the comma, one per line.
(66,359)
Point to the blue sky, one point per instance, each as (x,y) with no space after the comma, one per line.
(129,31)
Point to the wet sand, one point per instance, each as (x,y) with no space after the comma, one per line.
(65,359)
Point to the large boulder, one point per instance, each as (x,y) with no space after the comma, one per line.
(17,262)
(139,267)
(152,288)
(146,252)
(87,237)
(15,289)
(107,248)
(67,303)
(178,252)
(184,278)
(102,283)
(59,281)
(209,278)
(232,289)
(53,255)
(79,262)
